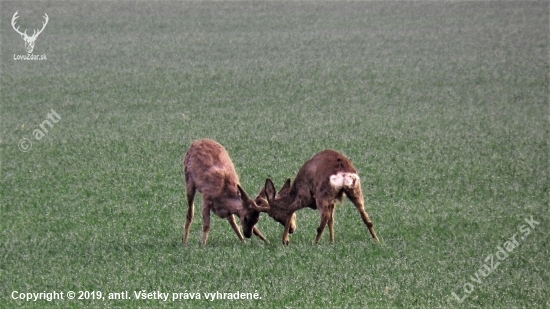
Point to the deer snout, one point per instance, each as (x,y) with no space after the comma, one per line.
(247,231)
(248,225)
(29,46)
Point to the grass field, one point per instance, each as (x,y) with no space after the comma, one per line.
(442,107)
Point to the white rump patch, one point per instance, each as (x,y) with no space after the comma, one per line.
(342,179)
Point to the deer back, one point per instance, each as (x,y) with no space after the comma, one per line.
(208,165)
(327,168)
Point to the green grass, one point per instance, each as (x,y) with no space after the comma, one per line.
(442,107)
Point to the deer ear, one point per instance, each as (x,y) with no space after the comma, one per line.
(269,190)
(243,194)
(286,185)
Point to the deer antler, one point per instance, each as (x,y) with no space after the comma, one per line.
(15,16)
(262,205)
(24,34)
(43,26)
(259,204)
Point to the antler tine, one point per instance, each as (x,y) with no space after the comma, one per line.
(15,16)
(262,205)
(43,26)
(47,18)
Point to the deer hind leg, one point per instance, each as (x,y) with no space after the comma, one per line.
(231,220)
(205,222)
(190,189)
(331,225)
(326,213)
(356,197)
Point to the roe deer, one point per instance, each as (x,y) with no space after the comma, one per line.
(209,170)
(319,184)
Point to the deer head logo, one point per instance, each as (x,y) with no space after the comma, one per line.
(29,40)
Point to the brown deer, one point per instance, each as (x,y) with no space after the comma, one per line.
(209,170)
(320,184)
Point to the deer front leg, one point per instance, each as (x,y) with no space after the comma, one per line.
(257,232)
(286,238)
(292,227)
(302,200)
(190,212)
(205,224)
(231,220)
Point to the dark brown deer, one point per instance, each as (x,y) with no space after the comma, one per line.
(321,183)
(209,170)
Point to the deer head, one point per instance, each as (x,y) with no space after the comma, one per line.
(29,40)
(277,203)
(253,209)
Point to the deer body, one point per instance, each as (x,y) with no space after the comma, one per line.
(209,170)
(320,183)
